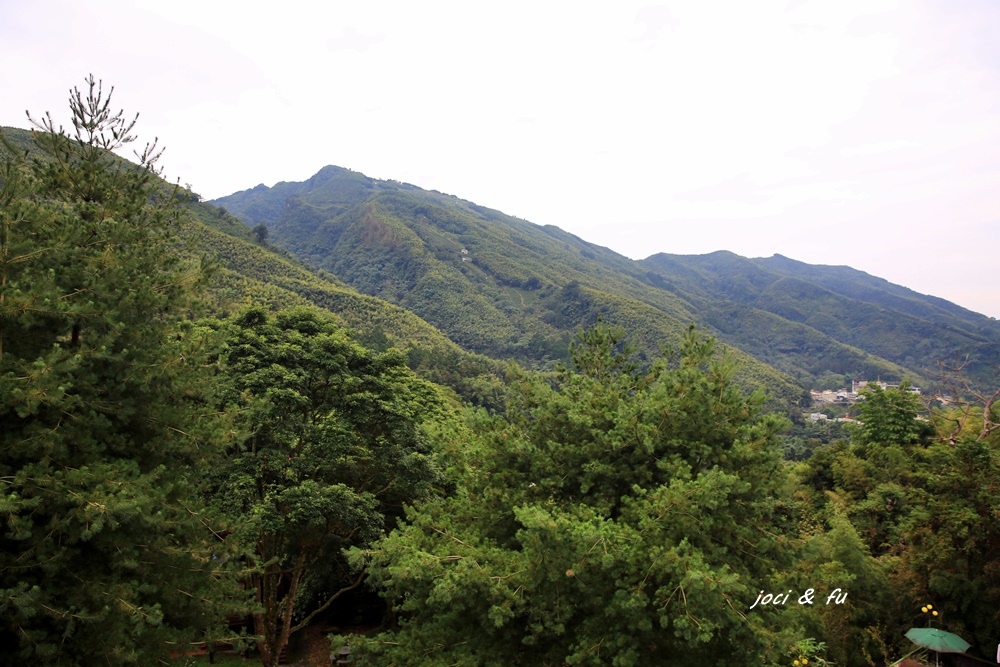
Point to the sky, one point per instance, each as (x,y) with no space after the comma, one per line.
(860,133)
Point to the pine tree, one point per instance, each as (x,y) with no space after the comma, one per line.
(103,556)
(619,515)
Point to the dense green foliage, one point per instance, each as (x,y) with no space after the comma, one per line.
(924,510)
(620,517)
(800,440)
(103,420)
(331,448)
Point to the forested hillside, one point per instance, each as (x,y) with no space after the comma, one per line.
(245,271)
(511,289)
(251,273)
(862,311)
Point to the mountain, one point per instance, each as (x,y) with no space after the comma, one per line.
(497,285)
(245,271)
(248,272)
(854,308)
(508,288)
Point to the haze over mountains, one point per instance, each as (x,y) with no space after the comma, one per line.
(508,288)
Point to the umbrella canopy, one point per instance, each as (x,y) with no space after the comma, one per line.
(937,640)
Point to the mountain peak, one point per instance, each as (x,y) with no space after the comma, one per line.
(500,286)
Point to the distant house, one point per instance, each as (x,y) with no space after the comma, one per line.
(464,251)
(466,259)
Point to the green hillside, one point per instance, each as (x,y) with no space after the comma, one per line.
(247,272)
(837,303)
(497,285)
(253,274)
(507,288)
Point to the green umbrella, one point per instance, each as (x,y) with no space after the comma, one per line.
(937,640)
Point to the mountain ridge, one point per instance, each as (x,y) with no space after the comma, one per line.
(520,288)
(248,272)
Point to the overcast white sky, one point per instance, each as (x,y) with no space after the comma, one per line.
(864,133)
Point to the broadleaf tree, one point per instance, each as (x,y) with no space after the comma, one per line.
(332,446)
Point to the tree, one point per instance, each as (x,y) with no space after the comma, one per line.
(332,448)
(951,533)
(950,538)
(623,516)
(889,418)
(260,231)
(102,414)
(966,402)
(924,507)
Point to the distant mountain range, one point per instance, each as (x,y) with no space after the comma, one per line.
(507,288)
